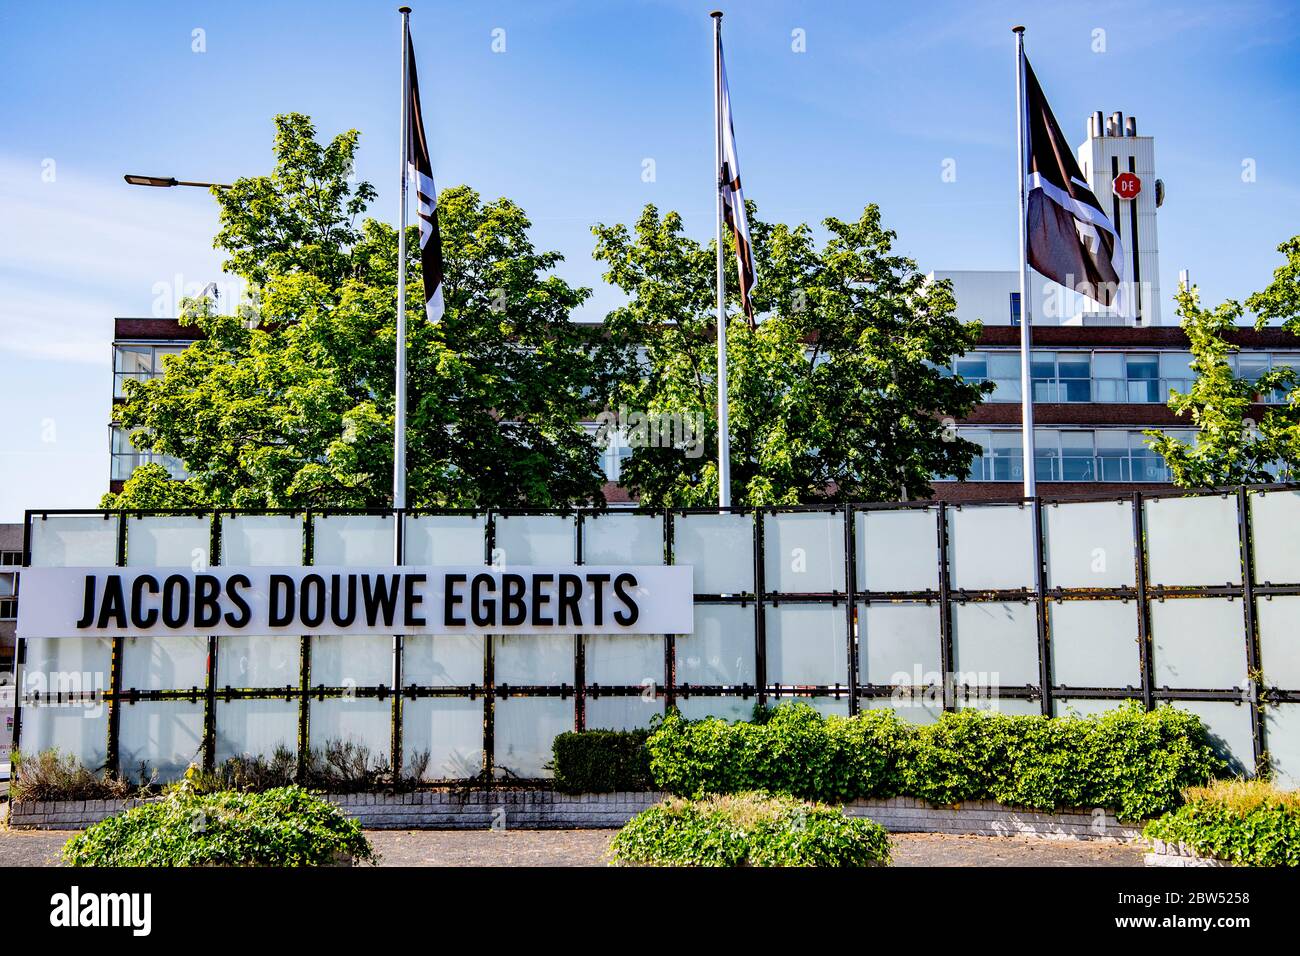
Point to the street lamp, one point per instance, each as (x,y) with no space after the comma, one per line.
(165,181)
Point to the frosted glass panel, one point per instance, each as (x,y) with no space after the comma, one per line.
(71,541)
(175,541)
(523,729)
(539,659)
(727,708)
(352,539)
(534,539)
(991,547)
(81,732)
(1089,544)
(828,706)
(995,644)
(1192,541)
(899,644)
(1279,640)
(255,728)
(1003,705)
(364,721)
(57,665)
(1274,517)
(1199,643)
(164,663)
(1094,644)
(898,550)
(166,736)
(804,552)
(262,540)
(1282,730)
(623,539)
(1084,707)
(924,710)
(1229,726)
(621,713)
(446,539)
(623,659)
(721,651)
(807,645)
(442,660)
(351,660)
(254,661)
(720,548)
(450,730)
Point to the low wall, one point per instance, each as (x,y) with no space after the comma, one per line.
(1179,854)
(548,810)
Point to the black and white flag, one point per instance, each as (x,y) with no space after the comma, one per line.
(733,200)
(1070,240)
(419,171)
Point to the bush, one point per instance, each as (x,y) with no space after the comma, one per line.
(51,775)
(751,829)
(248,774)
(1243,821)
(283,827)
(601,761)
(795,751)
(348,767)
(1133,762)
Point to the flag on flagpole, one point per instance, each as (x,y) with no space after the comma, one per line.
(419,171)
(733,199)
(1070,238)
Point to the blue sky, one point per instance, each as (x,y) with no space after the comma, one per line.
(563,120)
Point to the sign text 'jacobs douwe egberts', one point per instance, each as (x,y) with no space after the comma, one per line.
(577,599)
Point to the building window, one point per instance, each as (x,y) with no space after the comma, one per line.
(139,362)
(8,609)
(126,458)
(11,559)
(1015,308)
(1069,454)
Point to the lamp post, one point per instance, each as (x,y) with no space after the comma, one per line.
(167,181)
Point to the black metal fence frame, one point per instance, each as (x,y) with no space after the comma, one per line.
(668,691)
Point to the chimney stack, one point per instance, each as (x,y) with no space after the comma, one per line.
(1131,126)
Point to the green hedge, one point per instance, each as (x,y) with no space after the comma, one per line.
(601,761)
(1244,822)
(283,827)
(1133,762)
(751,829)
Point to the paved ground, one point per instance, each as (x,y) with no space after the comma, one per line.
(587,848)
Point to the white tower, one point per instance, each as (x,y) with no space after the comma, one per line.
(1113,148)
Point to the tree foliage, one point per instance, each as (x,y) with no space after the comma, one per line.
(839,393)
(1236,442)
(289,402)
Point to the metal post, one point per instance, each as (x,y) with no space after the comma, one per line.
(115,669)
(1026,313)
(1253,668)
(210,692)
(760,611)
(949,690)
(399,412)
(851,595)
(1143,608)
(724,437)
(1041,613)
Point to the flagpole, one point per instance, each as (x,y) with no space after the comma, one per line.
(724,438)
(1026,313)
(399,413)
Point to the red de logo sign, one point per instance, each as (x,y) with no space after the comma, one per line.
(1126,186)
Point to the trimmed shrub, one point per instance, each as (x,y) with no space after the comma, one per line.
(601,761)
(1127,760)
(52,775)
(283,827)
(795,751)
(750,829)
(1242,821)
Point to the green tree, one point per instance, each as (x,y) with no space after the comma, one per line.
(1236,442)
(288,402)
(841,391)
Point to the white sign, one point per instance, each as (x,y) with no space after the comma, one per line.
(566,599)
